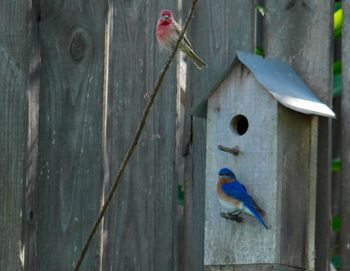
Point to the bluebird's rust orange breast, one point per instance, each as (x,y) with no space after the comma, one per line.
(223,196)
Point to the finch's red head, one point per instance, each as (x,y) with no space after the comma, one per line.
(165,17)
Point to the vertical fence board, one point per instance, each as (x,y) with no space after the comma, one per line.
(345,144)
(30,216)
(13,120)
(218,29)
(301,32)
(70,148)
(139,226)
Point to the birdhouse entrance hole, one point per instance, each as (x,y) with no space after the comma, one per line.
(239,124)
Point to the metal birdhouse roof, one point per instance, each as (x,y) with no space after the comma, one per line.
(280,80)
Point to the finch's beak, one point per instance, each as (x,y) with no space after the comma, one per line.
(165,17)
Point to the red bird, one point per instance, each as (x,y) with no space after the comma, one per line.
(168,32)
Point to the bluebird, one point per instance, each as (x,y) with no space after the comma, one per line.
(234,196)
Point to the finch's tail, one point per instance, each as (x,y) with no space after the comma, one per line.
(196,59)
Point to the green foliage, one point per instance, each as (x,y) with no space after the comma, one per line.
(180,195)
(261,9)
(337,78)
(337,85)
(336,261)
(337,6)
(337,67)
(259,51)
(336,223)
(338,22)
(336,165)
(337,28)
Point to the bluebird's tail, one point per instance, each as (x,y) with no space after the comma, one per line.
(257,216)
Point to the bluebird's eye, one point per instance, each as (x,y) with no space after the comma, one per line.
(225,172)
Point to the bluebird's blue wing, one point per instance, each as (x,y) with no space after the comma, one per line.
(236,190)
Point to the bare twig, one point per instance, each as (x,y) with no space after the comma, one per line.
(134,141)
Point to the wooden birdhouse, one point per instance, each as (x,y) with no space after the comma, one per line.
(262,123)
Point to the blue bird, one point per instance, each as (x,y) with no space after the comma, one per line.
(234,196)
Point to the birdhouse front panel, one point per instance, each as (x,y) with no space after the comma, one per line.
(242,115)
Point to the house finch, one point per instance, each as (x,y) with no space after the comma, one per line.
(168,32)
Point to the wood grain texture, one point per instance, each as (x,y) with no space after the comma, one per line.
(138,231)
(70,140)
(13,129)
(311,231)
(30,214)
(252,267)
(225,241)
(300,32)
(294,178)
(275,168)
(345,144)
(218,29)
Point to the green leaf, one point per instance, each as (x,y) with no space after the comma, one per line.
(259,51)
(336,261)
(336,223)
(337,78)
(337,66)
(336,165)
(338,22)
(261,9)
(337,85)
(337,6)
(180,194)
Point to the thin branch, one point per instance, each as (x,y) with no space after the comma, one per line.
(134,141)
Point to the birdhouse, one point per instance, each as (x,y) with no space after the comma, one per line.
(262,123)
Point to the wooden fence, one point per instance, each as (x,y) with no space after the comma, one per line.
(74,79)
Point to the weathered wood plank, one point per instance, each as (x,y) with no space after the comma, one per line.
(252,267)
(139,227)
(30,216)
(294,152)
(70,140)
(345,144)
(301,32)
(14,58)
(217,30)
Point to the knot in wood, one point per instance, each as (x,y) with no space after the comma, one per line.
(77,46)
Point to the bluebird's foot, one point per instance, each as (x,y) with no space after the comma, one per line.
(232,216)
(237,218)
(225,215)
